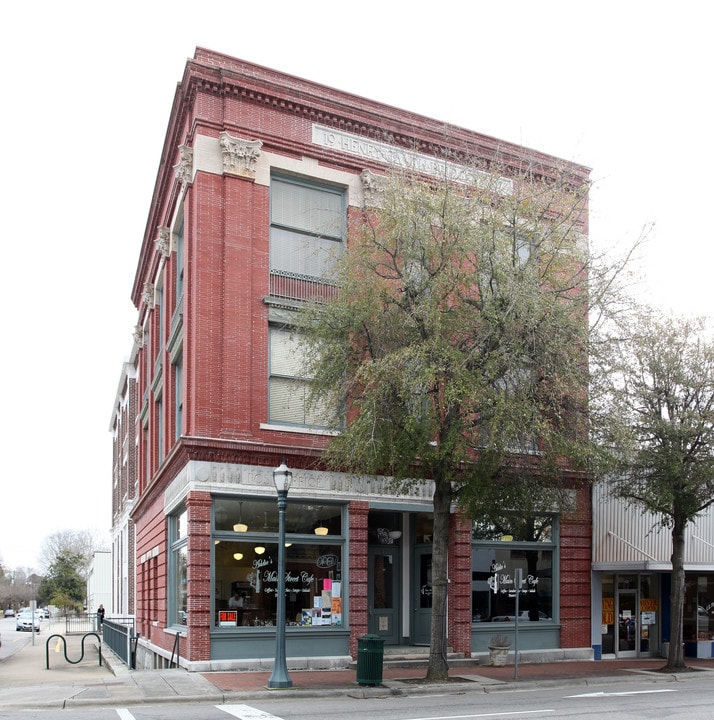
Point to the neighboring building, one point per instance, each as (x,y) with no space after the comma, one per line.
(258,175)
(125,482)
(99,581)
(632,575)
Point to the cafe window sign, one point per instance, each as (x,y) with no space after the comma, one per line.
(513,556)
(495,573)
(246,567)
(501,581)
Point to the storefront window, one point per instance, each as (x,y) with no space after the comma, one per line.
(181,585)
(512,528)
(503,552)
(246,564)
(261,516)
(699,607)
(178,525)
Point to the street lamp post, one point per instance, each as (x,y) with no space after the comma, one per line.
(280,678)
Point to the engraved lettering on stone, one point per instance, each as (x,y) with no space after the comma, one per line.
(394,155)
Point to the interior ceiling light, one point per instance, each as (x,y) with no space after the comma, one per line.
(320,529)
(259,550)
(238,556)
(240,526)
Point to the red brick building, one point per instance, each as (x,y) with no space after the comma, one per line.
(258,175)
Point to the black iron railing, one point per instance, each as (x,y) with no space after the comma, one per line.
(120,636)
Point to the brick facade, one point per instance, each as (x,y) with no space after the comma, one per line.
(575,565)
(217,332)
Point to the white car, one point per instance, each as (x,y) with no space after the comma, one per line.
(525,615)
(24,621)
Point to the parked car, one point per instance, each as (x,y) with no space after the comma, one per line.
(24,621)
(44,613)
(525,615)
(9,612)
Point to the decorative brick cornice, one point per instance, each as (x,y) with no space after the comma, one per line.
(239,156)
(184,167)
(163,241)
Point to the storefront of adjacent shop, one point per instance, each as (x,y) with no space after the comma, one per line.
(632,577)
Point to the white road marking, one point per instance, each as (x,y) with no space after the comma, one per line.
(246,712)
(619,694)
(124,714)
(484,715)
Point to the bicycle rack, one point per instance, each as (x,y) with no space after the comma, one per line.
(64,647)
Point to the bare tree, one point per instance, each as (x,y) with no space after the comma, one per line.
(652,409)
(80,543)
(455,351)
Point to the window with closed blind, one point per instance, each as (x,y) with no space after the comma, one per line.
(289,388)
(307,231)
(307,228)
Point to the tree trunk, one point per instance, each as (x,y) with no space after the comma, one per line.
(438,670)
(675,658)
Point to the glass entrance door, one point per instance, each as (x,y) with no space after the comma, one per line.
(384,596)
(421,596)
(627,623)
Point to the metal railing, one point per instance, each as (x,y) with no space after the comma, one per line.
(81,623)
(120,636)
(291,286)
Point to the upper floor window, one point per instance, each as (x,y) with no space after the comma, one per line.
(288,389)
(178,394)
(179,262)
(307,229)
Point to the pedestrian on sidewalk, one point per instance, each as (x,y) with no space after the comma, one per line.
(100,617)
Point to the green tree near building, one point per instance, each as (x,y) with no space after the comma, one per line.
(456,349)
(653,414)
(63,585)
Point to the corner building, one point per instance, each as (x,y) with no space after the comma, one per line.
(259,174)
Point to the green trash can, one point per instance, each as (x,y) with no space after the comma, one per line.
(370,658)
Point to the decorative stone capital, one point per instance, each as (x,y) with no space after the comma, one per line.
(148,294)
(373,186)
(239,156)
(163,241)
(139,335)
(184,168)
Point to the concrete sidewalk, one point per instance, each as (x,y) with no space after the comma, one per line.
(25,681)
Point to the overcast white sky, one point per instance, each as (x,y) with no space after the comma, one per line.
(622,87)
